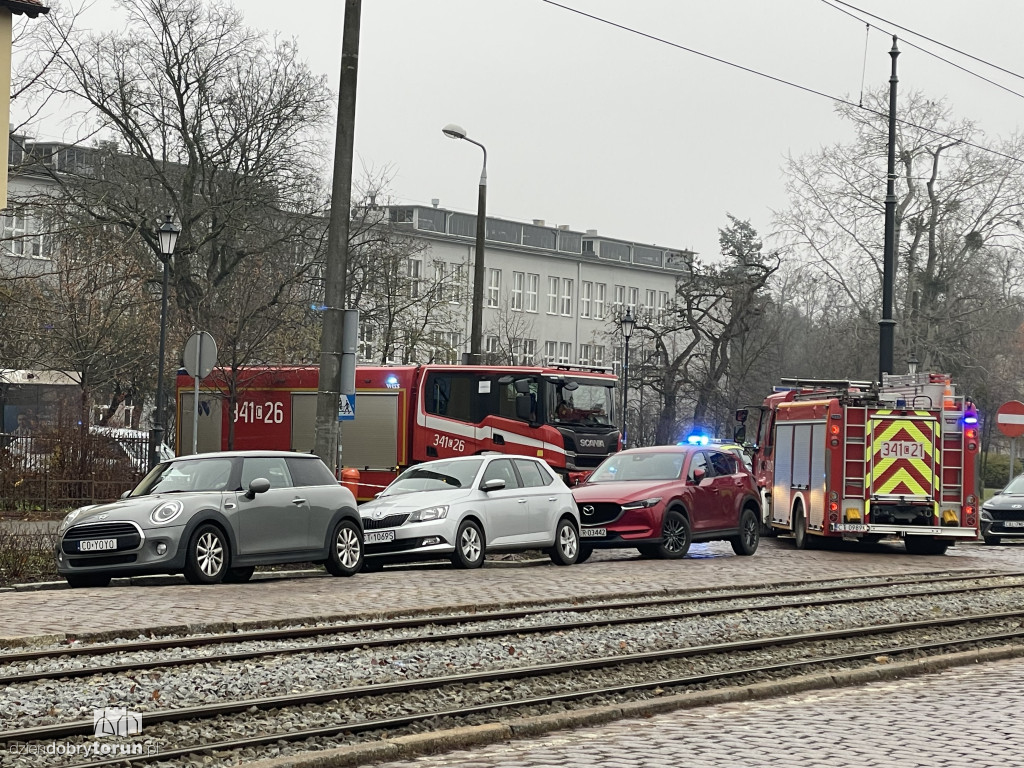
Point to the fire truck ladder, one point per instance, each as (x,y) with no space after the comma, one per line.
(952,453)
(854,452)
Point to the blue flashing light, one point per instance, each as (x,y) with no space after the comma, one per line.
(696,440)
(970,418)
(391,382)
(318,307)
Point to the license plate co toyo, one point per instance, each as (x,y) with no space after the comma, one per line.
(97,545)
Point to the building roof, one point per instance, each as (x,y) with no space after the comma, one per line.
(30,8)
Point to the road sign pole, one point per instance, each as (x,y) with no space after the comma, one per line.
(195,398)
(1013,455)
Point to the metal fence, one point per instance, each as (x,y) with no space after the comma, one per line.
(55,472)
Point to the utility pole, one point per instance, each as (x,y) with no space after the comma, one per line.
(329,390)
(886,326)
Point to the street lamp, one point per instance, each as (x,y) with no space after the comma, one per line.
(627,321)
(476,333)
(168,234)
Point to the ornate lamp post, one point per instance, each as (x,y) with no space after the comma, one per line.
(627,322)
(168,234)
(453,131)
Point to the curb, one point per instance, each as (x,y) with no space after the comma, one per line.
(405,747)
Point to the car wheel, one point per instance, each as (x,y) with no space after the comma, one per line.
(675,536)
(799,529)
(567,543)
(992,541)
(469,546)
(239,575)
(346,555)
(750,534)
(79,580)
(585,553)
(919,545)
(206,561)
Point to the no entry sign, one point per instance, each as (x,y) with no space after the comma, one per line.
(1010,418)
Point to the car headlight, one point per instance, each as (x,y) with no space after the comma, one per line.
(166,512)
(430,513)
(70,519)
(642,504)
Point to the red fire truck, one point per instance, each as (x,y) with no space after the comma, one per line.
(856,460)
(406,414)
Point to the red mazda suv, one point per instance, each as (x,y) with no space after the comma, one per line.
(662,498)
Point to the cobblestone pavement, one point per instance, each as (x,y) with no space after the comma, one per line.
(962,717)
(612,573)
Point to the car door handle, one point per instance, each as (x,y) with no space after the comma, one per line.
(522,501)
(298,501)
(552,498)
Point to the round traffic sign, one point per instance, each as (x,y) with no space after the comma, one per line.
(200,354)
(1010,418)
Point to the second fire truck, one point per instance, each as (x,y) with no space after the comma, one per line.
(856,460)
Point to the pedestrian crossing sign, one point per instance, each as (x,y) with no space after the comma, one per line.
(347,408)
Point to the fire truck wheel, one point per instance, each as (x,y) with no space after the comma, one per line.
(800,537)
(469,546)
(585,553)
(567,543)
(750,534)
(239,575)
(346,555)
(675,536)
(992,541)
(919,545)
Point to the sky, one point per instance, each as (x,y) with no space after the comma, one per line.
(595,127)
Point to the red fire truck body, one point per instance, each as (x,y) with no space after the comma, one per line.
(407,414)
(857,461)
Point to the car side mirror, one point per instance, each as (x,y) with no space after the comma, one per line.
(699,474)
(493,485)
(258,485)
(126,494)
(739,434)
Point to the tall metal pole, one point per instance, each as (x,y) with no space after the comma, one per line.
(476,332)
(157,433)
(329,388)
(886,326)
(625,388)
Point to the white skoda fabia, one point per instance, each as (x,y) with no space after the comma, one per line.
(463,508)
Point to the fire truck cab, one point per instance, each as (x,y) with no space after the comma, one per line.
(856,460)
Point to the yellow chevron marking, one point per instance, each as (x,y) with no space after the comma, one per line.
(902,475)
(881,468)
(894,428)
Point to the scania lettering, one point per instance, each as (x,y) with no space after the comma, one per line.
(406,414)
(858,460)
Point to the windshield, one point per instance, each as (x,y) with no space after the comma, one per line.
(186,476)
(435,476)
(650,465)
(1016,486)
(589,404)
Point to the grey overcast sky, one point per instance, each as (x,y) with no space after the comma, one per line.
(599,128)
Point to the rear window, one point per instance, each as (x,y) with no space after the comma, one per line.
(310,471)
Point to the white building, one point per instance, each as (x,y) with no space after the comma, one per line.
(556,292)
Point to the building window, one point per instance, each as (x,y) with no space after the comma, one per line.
(586,289)
(598,355)
(585,353)
(415,277)
(527,352)
(532,291)
(518,283)
(620,298)
(494,288)
(458,280)
(650,298)
(492,348)
(564,353)
(365,348)
(662,305)
(634,299)
(553,295)
(21,233)
(566,297)
(599,296)
(550,352)
(446,347)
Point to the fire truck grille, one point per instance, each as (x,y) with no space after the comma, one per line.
(391,521)
(599,513)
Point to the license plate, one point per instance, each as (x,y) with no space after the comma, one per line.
(849,527)
(1013,524)
(593,533)
(378,537)
(97,545)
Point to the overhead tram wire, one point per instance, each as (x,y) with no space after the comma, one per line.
(931,53)
(930,40)
(773,78)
